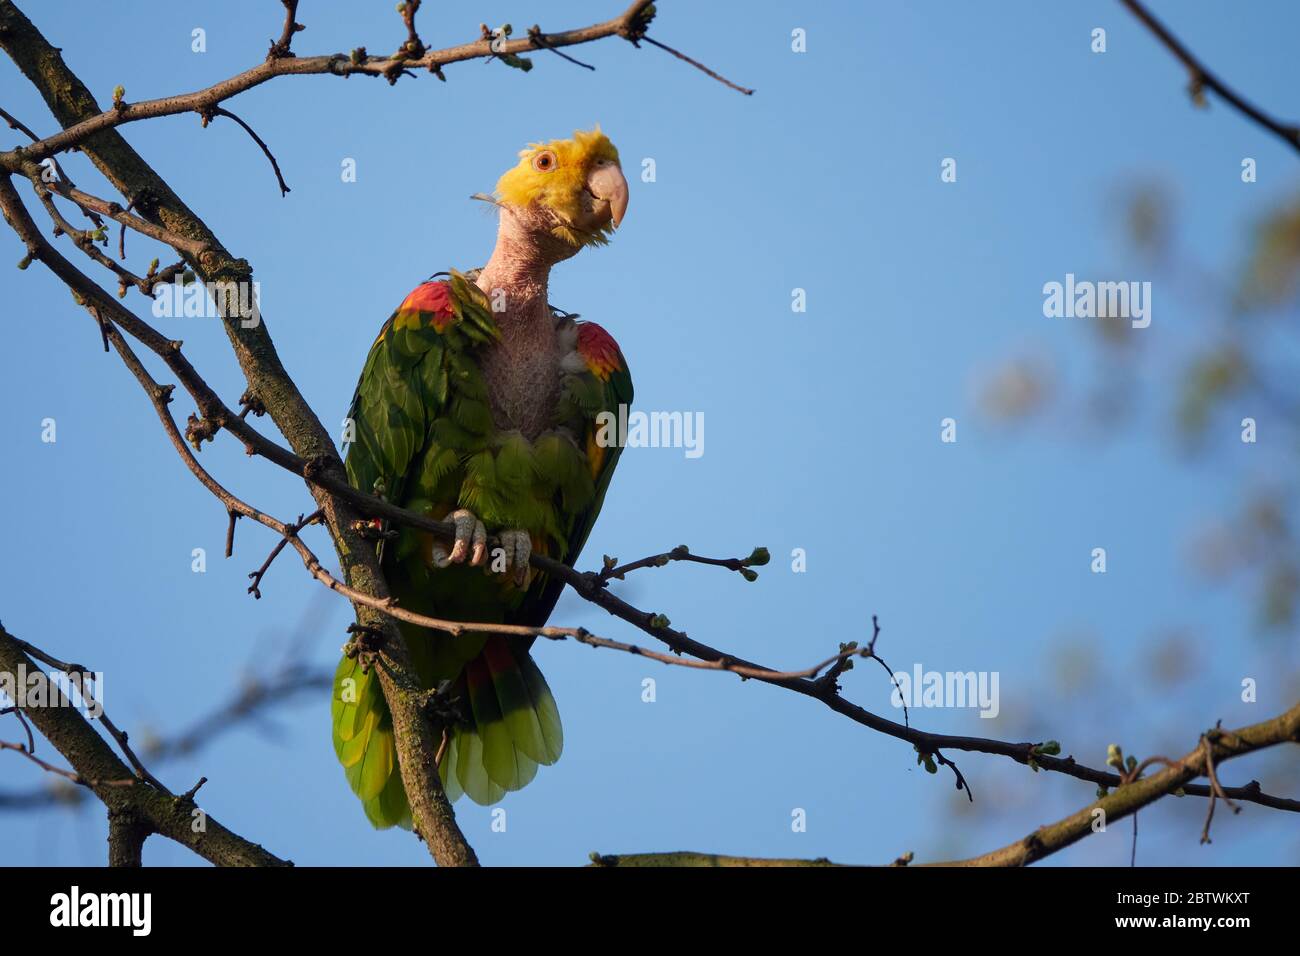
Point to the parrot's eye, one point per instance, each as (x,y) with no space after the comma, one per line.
(544,161)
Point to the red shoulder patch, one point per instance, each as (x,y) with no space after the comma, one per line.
(431,297)
(599,350)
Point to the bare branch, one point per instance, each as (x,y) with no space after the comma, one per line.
(1215,745)
(757,558)
(126,836)
(1135,793)
(416,737)
(289,532)
(539,38)
(77,674)
(253,698)
(699,66)
(280,47)
(18,125)
(1201,79)
(66,774)
(414,47)
(631,25)
(266,150)
(689,858)
(26,130)
(96,766)
(195,251)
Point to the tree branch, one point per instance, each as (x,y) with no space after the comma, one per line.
(1202,78)
(690,858)
(98,768)
(1214,746)
(266,150)
(126,836)
(416,737)
(251,700)
(280,47)
(630,24)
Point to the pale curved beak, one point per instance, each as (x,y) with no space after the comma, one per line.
(607,184)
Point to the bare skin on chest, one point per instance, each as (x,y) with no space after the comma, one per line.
(522,370)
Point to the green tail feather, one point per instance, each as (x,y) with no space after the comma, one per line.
(515,726)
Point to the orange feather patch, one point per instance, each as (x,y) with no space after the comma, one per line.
(599,350)
(433,298)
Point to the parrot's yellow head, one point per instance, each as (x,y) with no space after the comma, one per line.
(577,184)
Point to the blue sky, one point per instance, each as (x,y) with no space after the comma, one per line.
(822,427)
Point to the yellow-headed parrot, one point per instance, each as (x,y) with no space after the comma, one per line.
(477,405)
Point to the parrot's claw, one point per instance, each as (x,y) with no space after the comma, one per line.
(470,547)
(516,547)
(471,541)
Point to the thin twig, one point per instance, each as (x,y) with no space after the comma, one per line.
(757,558)
(188,247)
(1133,796)
(1216,789)
(538,37)
(414,47)
(630,25)
(221,111)
(1202,78)
(14,123)
(76,673)
(95,765)
(19,125)
(17,712)
(280,47)
(121,234)
(699,66)
(66,774)
(289,532)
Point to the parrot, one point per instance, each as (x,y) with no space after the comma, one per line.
(479,405)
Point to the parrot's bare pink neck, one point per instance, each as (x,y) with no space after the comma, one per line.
(522,369)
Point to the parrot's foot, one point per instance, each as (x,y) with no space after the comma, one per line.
(471,541)
(516,547)
(512,553)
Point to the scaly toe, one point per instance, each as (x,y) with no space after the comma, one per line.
(516,546)
(464,521)
(523,549)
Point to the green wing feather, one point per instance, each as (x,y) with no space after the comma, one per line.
(403,392)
